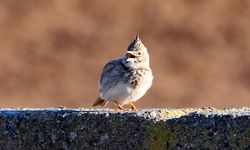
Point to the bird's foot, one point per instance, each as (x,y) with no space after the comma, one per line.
(120,109)
(133,107)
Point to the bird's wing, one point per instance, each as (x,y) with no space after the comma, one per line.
(113,72)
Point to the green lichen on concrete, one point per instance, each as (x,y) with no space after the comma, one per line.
(161,136)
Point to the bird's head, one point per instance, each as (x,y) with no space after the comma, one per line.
(137,55)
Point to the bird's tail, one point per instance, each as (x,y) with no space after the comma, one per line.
(100,102)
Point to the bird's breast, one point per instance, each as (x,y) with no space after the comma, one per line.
(141,77)
(139,80)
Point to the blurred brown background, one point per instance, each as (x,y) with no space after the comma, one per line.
(52,52)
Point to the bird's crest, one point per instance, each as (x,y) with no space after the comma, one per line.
(136,44)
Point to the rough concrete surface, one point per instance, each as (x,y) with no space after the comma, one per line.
(62,128)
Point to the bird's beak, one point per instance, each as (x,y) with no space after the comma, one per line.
(131,54)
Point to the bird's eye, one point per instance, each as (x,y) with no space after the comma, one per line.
(139,53)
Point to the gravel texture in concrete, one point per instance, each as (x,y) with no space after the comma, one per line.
(63,128)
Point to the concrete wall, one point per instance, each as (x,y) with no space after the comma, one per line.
(204,128)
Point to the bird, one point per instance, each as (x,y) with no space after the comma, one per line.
(126,80)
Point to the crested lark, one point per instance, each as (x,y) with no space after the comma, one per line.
(124,81)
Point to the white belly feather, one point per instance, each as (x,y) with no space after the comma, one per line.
(123,93)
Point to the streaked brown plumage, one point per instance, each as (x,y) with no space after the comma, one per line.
(126,80)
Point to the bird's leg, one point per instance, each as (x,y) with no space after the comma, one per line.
(133,106)
(122,108)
